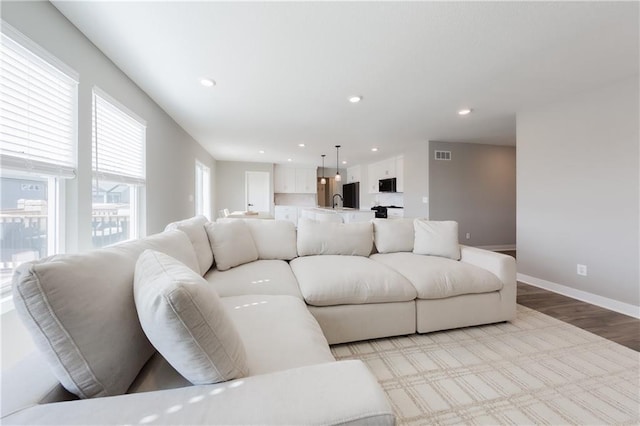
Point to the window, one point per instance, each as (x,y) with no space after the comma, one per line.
(203,190)
(118,171)
(38,110)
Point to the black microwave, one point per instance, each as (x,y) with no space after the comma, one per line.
(387,185)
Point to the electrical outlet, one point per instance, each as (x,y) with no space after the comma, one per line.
(581,270)
(425,200)
(468,235)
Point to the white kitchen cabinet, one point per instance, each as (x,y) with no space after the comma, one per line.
(373,177)
(393,213)
(400,173)
(289,180)
(284,179)
(387,168)
(306,181)
(354,174)
(289,213)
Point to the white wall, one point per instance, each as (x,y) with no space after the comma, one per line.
(230,183)
(171,152)
(578,194)
(416,180)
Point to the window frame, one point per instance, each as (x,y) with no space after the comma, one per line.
(137,185)
(203,190)
(22,166)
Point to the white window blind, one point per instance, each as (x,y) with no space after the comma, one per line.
(118,142)
(38,103)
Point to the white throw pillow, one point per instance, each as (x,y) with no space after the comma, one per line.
(436,238)
(194,228)
(79,311)
(274,239)
(393,235)
(352,239)
(184,319)
(231,244)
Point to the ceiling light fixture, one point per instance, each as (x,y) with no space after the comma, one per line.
(207,82)
(355,99)
(374,149)
(465,111)
(323,181)
(261,151)
(301,145)
(344,161)
(289,160)
(338,177)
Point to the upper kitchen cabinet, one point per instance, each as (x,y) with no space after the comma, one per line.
(385,169)
(306,181)
(354,174)
(289,180)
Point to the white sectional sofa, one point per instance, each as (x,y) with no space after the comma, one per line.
(284,295)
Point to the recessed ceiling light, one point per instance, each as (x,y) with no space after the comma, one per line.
(465,111)
(301,145)
(261,151)
(344,162)
(374,149)
(289,160)
(355,99)
(207,82)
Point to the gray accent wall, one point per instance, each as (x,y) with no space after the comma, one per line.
(578,192)
(230,184)
(476,188)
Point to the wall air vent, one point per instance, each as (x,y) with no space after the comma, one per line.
(443,155)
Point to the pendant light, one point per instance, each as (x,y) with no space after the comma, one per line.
(338,177)
(323,181)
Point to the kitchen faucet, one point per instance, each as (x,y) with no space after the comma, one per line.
(334,200)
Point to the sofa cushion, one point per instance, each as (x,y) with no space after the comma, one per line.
(341,280)
(231,244)
(183,317)
(438,277)
(330,238)
(260,277)
(274,239)
(436,238)
(393,235)
(81,314)
(278,332)
(194,228)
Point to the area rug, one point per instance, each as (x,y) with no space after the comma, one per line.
(534,370)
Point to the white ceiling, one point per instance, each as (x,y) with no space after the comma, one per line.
(284,71)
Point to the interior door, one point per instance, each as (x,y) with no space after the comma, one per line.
(257,191)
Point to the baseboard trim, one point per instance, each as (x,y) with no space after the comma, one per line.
(503,247)
(594,299)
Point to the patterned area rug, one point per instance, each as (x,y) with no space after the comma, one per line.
(534,370)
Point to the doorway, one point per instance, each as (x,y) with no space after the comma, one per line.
(257,191)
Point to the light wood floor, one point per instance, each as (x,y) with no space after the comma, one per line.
(619,328)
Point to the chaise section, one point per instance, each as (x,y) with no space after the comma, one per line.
(278,332)
(336,393)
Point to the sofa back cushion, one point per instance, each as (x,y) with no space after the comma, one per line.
(393,235)
(194,228)
(274,239)
(231,244)
(353,239)
(80,312)
(436,238)
(184,319)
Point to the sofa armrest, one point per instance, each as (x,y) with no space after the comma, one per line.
(333,393)
(502,265)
